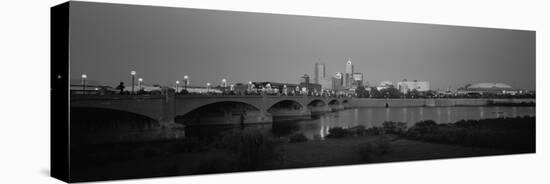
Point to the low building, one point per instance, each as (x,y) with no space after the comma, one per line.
(408,86)
(384,85)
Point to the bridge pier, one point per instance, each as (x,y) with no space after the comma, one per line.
(336,107)
(303,113)
(320,110)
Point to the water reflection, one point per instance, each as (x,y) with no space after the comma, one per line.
(319,125)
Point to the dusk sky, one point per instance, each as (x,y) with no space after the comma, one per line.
(163,44)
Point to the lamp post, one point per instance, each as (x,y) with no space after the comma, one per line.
(185,81)
(140,80)
(224,85)
(177,86)
(208,87)
(84,76)
(133,73)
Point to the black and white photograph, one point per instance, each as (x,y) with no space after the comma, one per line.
(141,91)
(191,91)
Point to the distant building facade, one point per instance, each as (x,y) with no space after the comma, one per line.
(337,82)
(357,80)
(385,85)
(408,86)
(320,73)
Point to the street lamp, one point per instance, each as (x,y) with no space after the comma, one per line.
(185,81)
(133,73)
(177,86)
(140,80)
(224,84)
(208,87)
(84,76)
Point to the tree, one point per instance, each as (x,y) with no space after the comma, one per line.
(375,93)
(391,92)
(361,92)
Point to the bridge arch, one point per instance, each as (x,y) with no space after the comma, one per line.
(219,112)
(334,102)
(285,105)
(317,103)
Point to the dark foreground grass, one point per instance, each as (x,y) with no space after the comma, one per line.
(232,151)
(516,134)
(249,150)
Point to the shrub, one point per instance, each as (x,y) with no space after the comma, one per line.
(422,128)
(337,132)
(391,127)
(357,130)
(374,131)
(504,133)
(300,137)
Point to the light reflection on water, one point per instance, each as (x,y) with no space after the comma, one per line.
(319,126)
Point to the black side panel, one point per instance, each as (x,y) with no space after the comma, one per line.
(59,78)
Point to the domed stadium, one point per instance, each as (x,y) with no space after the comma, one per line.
(487,88)
(500,86)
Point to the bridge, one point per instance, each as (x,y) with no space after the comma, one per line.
(168,109)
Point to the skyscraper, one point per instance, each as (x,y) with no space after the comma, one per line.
(348,76)
(319,74)
(349,66)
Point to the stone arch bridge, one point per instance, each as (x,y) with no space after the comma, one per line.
(166,108)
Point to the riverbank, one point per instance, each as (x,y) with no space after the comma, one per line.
(438,102)
(345,151)
(165,159)
(251,150)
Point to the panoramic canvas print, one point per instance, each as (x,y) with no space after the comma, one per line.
(162,91)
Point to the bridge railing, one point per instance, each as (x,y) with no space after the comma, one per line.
(113,97)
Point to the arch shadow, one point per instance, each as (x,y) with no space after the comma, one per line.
(317,103)
(223,112)
(285,105)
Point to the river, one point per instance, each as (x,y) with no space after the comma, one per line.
(318,126)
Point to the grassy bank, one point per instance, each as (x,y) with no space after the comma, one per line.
(250,150)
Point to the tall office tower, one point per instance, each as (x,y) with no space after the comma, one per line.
(348,76)
(319,73)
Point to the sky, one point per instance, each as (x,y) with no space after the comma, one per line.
(163,44)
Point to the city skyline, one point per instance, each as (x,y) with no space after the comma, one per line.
(243,47)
